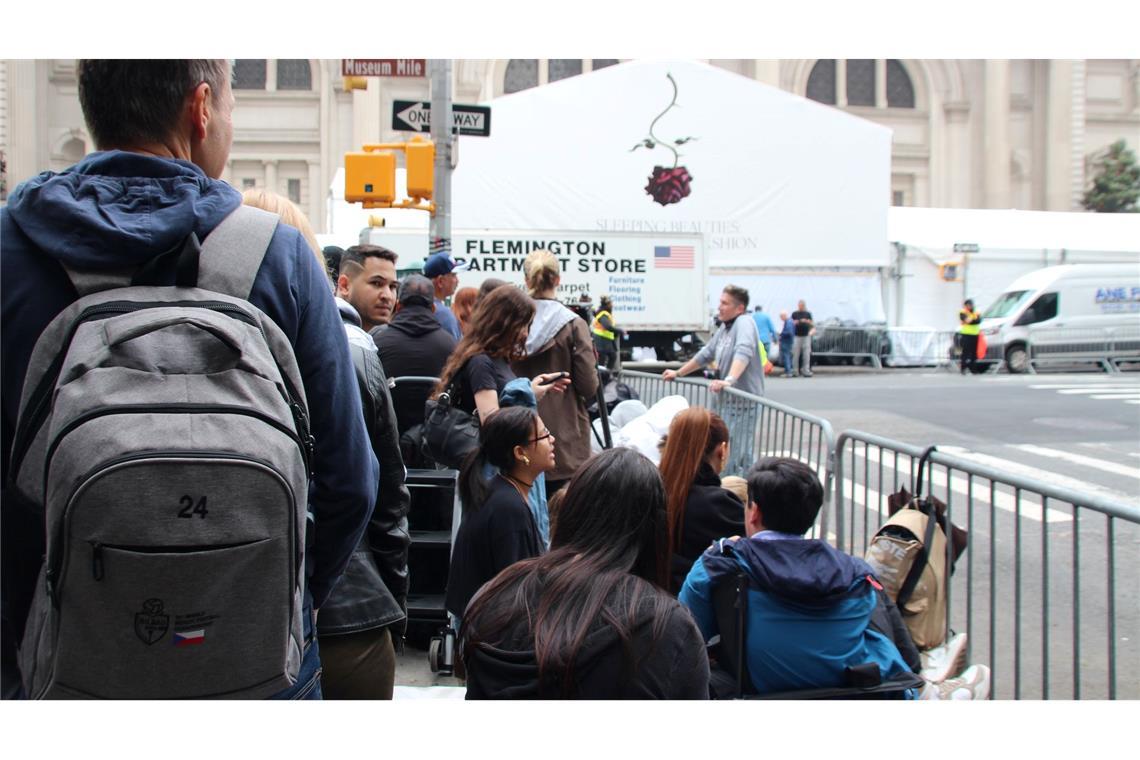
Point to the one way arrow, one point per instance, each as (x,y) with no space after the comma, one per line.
(416,117)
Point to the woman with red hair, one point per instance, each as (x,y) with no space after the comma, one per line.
(699,509)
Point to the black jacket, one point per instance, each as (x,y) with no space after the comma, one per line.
(675,666)
(711,512)
(413,345)
(374,588)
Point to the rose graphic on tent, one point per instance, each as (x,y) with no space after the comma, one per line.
(667,185)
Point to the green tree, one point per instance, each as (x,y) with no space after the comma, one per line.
(1116,184)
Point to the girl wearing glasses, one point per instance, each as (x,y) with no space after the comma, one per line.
(498,527)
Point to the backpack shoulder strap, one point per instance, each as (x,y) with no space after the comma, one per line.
(232,253)
(920,559)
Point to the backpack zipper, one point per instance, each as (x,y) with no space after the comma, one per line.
(57,568)
(180,408)
(38,401)
(97,547)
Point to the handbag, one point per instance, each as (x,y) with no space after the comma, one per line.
(449,433)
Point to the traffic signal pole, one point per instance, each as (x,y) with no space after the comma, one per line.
(440,227)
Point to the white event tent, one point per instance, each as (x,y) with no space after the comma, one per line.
(790,195)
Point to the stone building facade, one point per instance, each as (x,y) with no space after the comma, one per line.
(967,133)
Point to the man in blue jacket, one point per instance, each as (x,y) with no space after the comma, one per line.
(810,606)
(164,131)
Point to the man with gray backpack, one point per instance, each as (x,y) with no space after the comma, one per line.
(186,469)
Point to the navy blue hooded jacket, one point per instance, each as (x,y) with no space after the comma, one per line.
(118,210)
(809,610)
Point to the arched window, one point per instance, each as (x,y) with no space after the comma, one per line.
(900,91)
(522,74)
(294,74)
(866,82)
(821,82)
(249,74)
(860,82)
(561,68)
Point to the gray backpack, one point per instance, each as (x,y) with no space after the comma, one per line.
(163,431)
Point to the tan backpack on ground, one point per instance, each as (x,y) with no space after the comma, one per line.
(908,555)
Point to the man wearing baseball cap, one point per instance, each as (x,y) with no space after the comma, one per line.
(441,270)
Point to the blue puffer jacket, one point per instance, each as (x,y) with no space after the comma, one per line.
(809,610)
(118,210)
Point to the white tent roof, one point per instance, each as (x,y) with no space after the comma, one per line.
(778,180)
(941,228)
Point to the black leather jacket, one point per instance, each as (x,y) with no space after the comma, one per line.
(374,588)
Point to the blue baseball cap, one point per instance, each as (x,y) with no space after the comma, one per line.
(442,263)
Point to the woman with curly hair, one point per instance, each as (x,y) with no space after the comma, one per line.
(480,368)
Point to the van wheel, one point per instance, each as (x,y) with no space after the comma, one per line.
(1017,359)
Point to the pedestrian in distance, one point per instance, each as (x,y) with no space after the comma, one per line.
(605,333)
(734,350)
(498,527)
(558,341)
(969,320)
(764,327)
(787,339)
(700,509)
(163,129)
(591,618)
(801,347)
(441,269)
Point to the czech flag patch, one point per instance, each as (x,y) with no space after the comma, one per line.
(186,638)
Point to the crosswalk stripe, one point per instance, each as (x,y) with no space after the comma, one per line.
(1099,464)
(1016,468)
(1105,389)
(1055,387)
(1115,396)
(1002,500)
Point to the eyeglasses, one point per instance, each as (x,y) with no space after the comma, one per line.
(542,437)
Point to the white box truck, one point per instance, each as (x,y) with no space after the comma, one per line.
(658,282)
(1085,299)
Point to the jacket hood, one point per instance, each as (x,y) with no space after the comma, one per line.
(809,572)
(549,318)
(115,208)
(513,673)
(415,321)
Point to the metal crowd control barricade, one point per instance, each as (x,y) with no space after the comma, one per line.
(920,347)
(865,343)
(758,426)
(1107,347)
(1047,588)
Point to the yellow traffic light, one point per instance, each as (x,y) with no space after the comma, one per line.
(370,177)
(355,83)
(419,154)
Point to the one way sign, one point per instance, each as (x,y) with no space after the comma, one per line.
(415,116)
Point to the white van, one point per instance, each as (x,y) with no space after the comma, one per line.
(1076,296)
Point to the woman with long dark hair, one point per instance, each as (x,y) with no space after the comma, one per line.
(700,510)
(480,365)
(590,619)
(498,527)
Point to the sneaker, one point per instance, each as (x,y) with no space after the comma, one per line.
(973,684)
(944,661)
